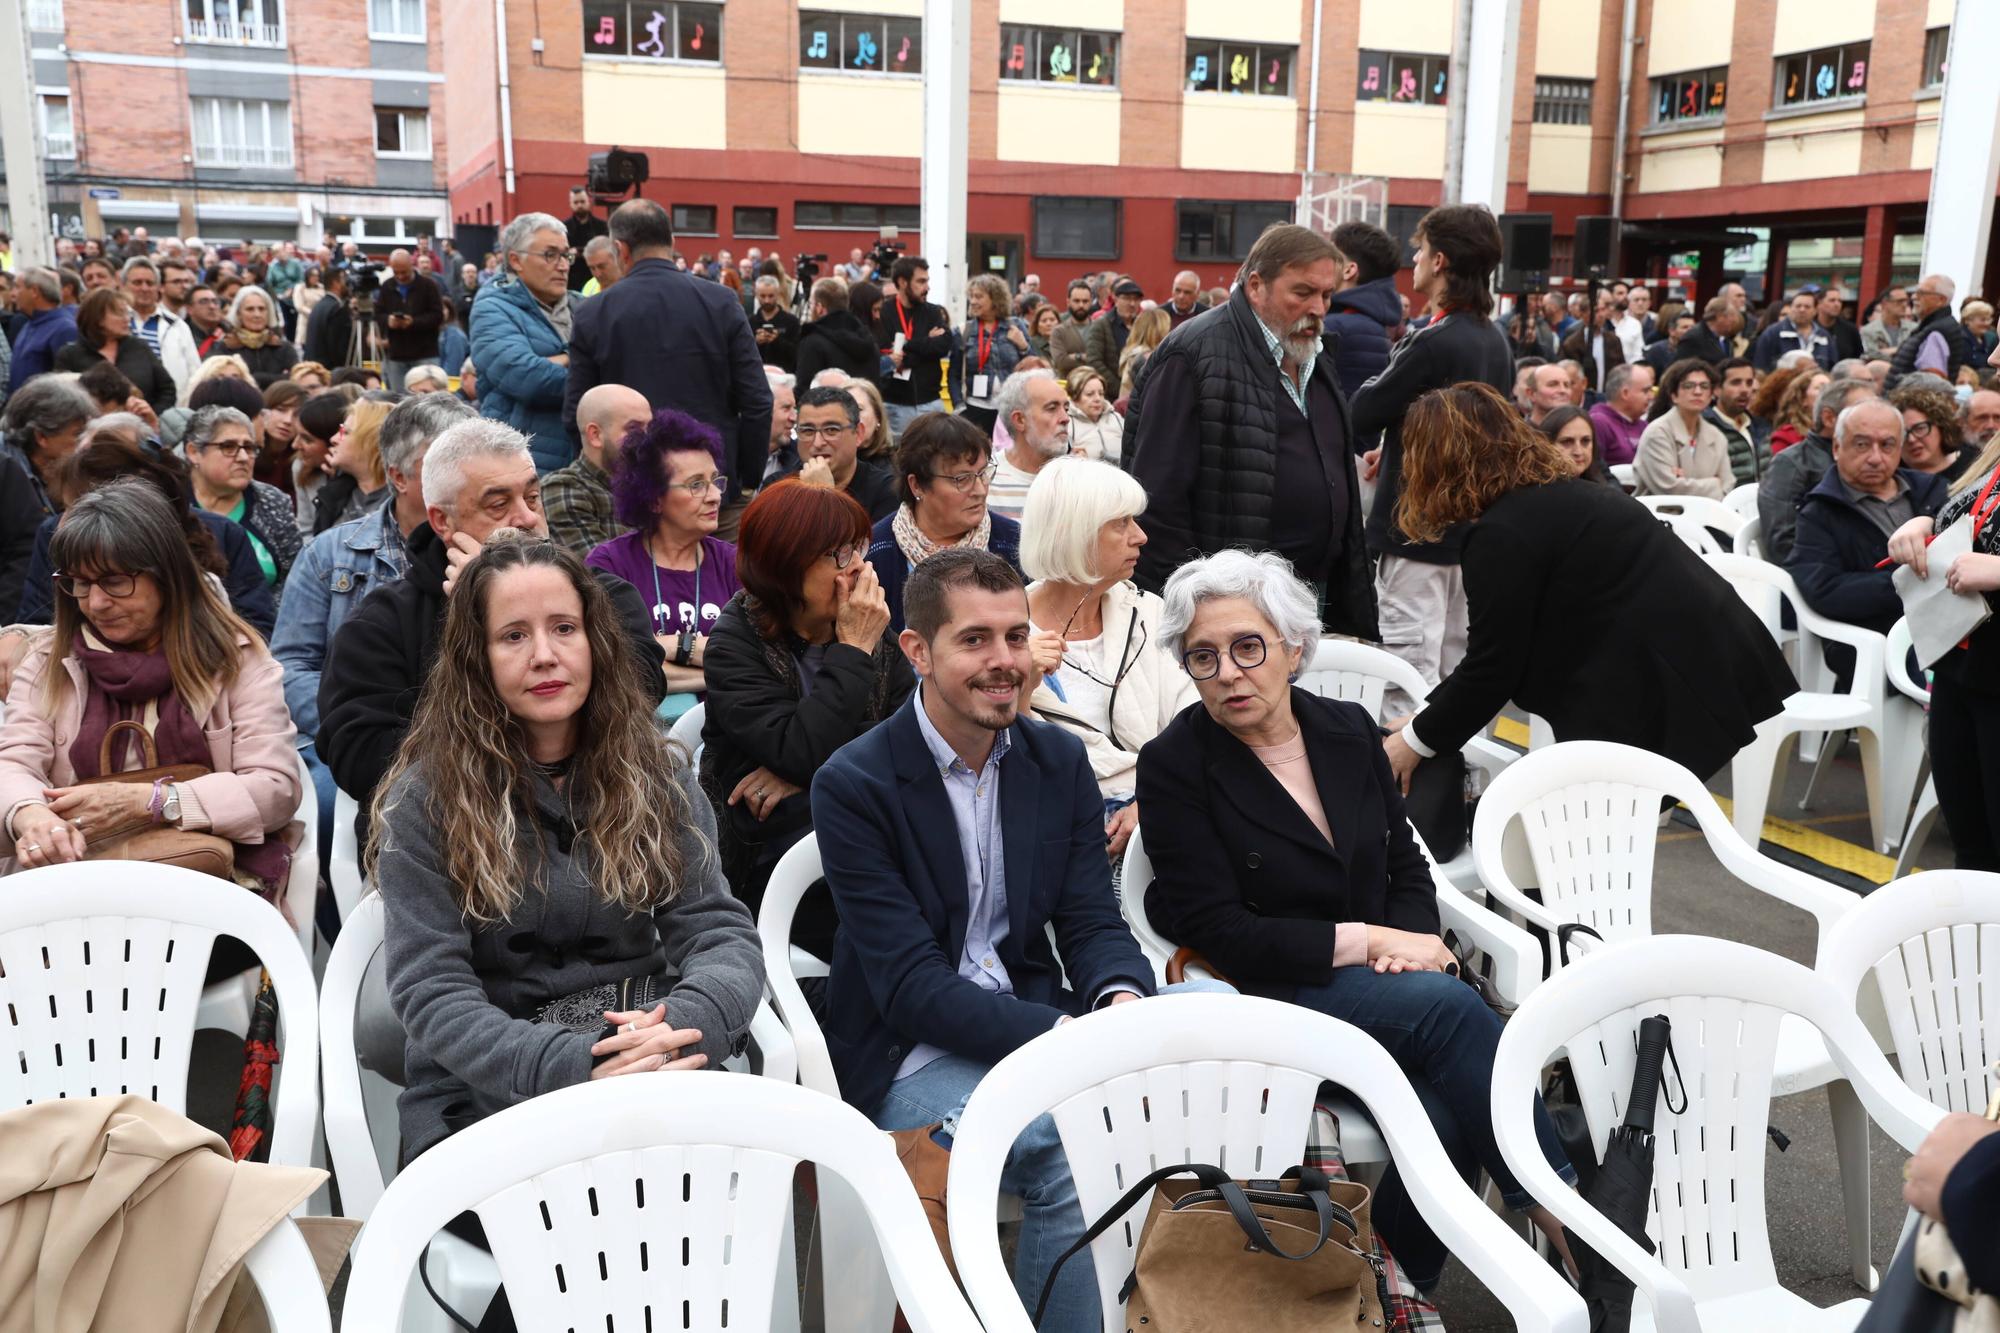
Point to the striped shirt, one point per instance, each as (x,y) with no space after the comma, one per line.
(1008,493)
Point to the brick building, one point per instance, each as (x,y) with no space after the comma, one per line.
(237,120)
(1152,135)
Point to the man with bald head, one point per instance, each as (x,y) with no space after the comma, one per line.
(1844,523)
(1982,418)
(409,311)
(1548,389)
(1182,305)
(576,498)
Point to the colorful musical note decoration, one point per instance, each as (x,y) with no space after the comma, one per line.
(1792,87)
(1373,83)
(866,49)
(1096,66)
(1200,75)
(1691,98)
(655,44)
(1437,86)
(1018,61)
(1823,81)
(1716,94)
(817,51)
(903,55)
(1239,70)
(1272,77)
(1061,64)
(1406,86)
(695,43)
(607,32)
(1857,79)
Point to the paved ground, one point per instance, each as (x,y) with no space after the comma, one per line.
(1695,895)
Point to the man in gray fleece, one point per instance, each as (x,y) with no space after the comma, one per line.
(466,993)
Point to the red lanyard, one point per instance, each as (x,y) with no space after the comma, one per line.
(985,345)
(1981,510)
(908,332)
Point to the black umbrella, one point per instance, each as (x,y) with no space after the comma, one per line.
(1623,1185)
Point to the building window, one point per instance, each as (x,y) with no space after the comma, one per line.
(396,20)
(232,132)
(1076,228)
(761,223)
(1822,76)
(58,130)
(694,219)
(1059,55)
(856,217)
(1396,76)
(1937,45)
(402,133)
(1562,101)
(653,30)
(45,15)
(1234,67)
(1699,94)
(236,22)
(1208,229)
(860,43)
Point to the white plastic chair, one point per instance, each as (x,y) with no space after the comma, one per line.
(1727,1003)
(1742,500)
(1750,538)
(1905,759)
(1223,1079)
(686,731)
(362,1161)
(1696,520)
(226,1005)
(625,1204)
(1765,587)
(1589,812)
(101,968)
(1625,475)
(350,886)
(288,1281)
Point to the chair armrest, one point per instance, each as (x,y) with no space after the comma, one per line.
(1871,648)
(777,1053)
(1516,958)
(1486,753)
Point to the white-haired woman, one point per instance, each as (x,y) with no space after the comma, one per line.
(1105,678)
(256,336)
(520,337)
(1283,856)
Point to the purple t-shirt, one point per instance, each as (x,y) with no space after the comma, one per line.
(674,608)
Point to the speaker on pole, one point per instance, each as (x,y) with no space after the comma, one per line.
(1526,240)
(1596,252)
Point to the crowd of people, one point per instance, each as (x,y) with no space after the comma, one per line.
(972,602)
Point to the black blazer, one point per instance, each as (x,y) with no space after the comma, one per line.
(1584,608)
(681,343)
(1240,874)
(890,849)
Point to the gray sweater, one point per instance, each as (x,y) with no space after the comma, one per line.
(466,993)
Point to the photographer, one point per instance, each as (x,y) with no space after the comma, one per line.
(775,328)
(330,326)
(916,338)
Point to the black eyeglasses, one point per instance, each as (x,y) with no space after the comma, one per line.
(843,556)
(114,585)
(807,434)
(564,257)
(1246,651)
(235,449)
(965,481)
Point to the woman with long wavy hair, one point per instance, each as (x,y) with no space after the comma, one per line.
(546,860)
(1580,602)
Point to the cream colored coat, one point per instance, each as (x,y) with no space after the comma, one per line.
(1661,452)
(252,793)
(1154,690)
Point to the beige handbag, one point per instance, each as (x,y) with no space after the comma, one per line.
(143,840)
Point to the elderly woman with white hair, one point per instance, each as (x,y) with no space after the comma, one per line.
(520,337)
(1282,854)
(258,337)
(1105,678)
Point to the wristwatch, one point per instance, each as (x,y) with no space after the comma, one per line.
(170,810)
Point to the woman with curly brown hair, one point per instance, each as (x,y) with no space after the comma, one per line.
(1785,400)
(1932,435)
(1579,601)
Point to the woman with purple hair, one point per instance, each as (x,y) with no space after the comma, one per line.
(667,487)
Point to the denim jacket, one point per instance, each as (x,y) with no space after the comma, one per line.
(328,580)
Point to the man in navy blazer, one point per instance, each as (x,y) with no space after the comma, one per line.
(680,342)
(953,836)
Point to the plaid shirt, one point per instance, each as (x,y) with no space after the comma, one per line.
(1276,347)
(576,501)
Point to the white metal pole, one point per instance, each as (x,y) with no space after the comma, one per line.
(21,141)
(947,147)
(1485,124)
(1968,150)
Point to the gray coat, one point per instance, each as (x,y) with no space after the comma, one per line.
(466,993)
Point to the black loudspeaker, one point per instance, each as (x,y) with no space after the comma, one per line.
(1596,252)
(1401,224)
(1525,242)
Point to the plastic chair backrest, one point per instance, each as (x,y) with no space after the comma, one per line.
(287,1279)
(1223,1079)
(796,873)
(344,866)
(606,1207)
(1750,538)
(686,730)
(101,966)
(1361,673)
(1743,500)
(1896,659)
(1693,534)
(1700,510)
(1725,1000)
(1931,943)
(1624,474)
(1132,885)
(350,1142)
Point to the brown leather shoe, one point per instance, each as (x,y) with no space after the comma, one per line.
(928,1165)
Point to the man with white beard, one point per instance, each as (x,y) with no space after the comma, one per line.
(1034,410)
(1241,436)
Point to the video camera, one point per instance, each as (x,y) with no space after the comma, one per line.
(617,173)
(887,251)
(806,268)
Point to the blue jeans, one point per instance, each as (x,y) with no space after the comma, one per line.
(1037,1170)
(1443,1036)
(900,416)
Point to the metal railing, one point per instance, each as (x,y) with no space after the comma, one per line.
(59,145)
(234,33)
(45,15)
(242,155)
